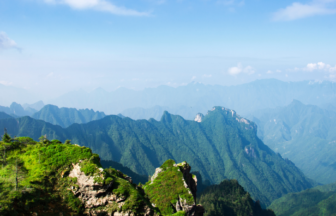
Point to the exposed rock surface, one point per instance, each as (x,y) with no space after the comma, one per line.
(199,117)
(172,174)
(94,194)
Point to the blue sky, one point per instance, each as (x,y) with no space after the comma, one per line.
(63,45)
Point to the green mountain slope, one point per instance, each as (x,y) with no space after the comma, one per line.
(318,201)
(66,116)
(305,134)
(4,115)
(222,146)
(52,178)
(230,198)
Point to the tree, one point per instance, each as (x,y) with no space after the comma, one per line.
(44,140)
(19,172)
(6,138)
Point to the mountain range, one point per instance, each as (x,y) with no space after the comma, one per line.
(221,145)
(306,134)
(188,100)
(65,117)
(317,201)
(16,110)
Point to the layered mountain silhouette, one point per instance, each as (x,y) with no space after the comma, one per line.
(221,146)
(188,100)
(16,110)
(306,134)
(65,117)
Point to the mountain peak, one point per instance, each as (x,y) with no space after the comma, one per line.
(199,117)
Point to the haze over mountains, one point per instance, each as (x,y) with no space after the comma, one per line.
(223,145)
(188,100)
(65,117)
(303,133)
(295,120)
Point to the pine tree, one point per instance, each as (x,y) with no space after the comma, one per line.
(6,138)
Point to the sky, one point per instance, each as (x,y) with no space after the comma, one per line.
(51,47)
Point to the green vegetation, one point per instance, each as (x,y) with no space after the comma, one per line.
(180,213)
(230,199)
(127,171)
(222,146)
(65,117)
(34,178)
(318,201)
(168,188)
(4,115)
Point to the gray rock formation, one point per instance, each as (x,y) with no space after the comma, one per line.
(94,194)
(199,117)
(186,201)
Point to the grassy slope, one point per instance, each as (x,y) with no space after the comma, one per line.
(136,178)
(41,170)
(167,188)
(216,148)
(318,201)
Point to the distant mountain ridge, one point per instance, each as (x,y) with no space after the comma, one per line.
(193,98)
(223,145)
(65,117)
(306,134)
(16,110)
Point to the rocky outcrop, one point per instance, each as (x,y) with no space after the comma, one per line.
(178,176)
(91,193)
(199,117)
(98,198)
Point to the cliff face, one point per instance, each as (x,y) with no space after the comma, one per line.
(172,189)
(52,178)
(97,195)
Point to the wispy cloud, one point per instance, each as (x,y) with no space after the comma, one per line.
(99,5)
(320,67)
(7,43)
(6,83)
(298,10)
(240,69)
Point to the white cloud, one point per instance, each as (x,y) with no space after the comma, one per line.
(6,42)
(6,83)
(320,66)
(193,78)
(99,5)
(269,72)
(298,10)
(240,69)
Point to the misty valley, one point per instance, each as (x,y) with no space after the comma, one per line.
(263,148)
